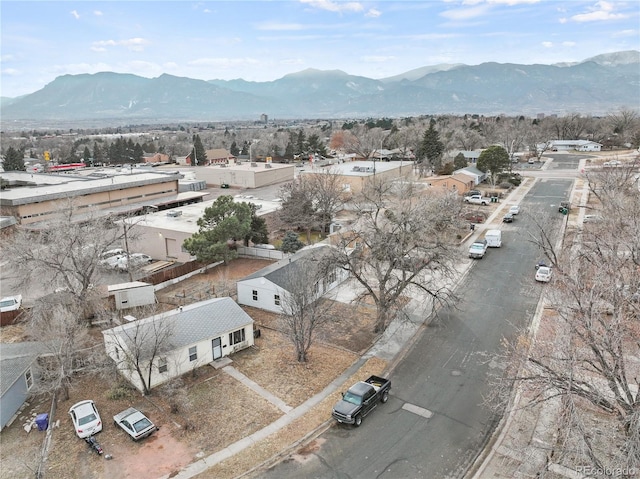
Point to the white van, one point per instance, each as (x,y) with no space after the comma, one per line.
(494,238)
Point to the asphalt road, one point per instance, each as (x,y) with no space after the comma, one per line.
(446,371)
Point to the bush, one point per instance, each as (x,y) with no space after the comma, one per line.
(505,185)
(119,391)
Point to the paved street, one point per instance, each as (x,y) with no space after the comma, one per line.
(445,373)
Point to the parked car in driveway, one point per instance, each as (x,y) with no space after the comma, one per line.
(110,258)
(134,423)
(134,260)
(543,274)
(10,303)
(86,419)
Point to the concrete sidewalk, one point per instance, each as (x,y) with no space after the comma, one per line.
(400,334)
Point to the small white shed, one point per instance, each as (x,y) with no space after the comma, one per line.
(130,295)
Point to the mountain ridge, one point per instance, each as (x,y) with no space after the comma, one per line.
(596,85)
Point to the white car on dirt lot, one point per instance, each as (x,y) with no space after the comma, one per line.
(134,423)
(86,419)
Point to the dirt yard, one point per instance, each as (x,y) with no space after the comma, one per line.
(202,412)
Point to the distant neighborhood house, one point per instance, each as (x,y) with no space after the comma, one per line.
(198,333)
(459,183)
(473,172)
(569,145)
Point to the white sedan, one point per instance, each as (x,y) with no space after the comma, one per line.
(543,274)
(86,419)
(134,423)
(134,260)
(514,210)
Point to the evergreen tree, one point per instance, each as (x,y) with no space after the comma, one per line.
(138,153)
(301,143)
(291,243)
(223,221)
(431,149)
(459,161)
(14,160)
(86,155)
(234,150)
(259,233)
(98,156)
(494,160)
(198,155)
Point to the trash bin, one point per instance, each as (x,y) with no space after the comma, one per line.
(42,421)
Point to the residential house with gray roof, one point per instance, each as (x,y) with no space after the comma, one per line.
(17,376)
(266,288)
(178,341)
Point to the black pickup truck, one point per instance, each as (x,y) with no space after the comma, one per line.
(361,399)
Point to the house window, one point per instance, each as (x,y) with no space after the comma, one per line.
(236,337)
(331,278)
(162,365)
(28,377)
(193,353)
(254,293)
(117,350)
(276,299)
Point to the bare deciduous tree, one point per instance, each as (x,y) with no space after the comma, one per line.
(401,240)
(590,361)
(57,323)
(64,253)
(138,348)
(304,313)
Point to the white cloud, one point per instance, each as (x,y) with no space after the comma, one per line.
(466,13)
(547,44)
(75,14)
(601,11)
(568,44)
(98,13)
(626,33)
(10,72)
(373,13)
(335,6)
(512,2)
(133,44)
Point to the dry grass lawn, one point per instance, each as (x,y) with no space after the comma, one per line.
(206,411)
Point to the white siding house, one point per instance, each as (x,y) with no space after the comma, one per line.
(578,145)
(265,289)
(197,334)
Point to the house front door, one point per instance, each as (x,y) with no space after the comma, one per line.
(217,348)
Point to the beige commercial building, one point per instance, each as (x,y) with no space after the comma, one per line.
(161,235)
(243,175)
(354,175)
(36,197)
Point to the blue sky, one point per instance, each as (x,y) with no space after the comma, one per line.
(264,40)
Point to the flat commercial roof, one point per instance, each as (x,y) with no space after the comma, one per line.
(356,168)
(47,187)
(185,218)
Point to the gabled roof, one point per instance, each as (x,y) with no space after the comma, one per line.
(470,170)
(284,272)
(193,323)
(15,359)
